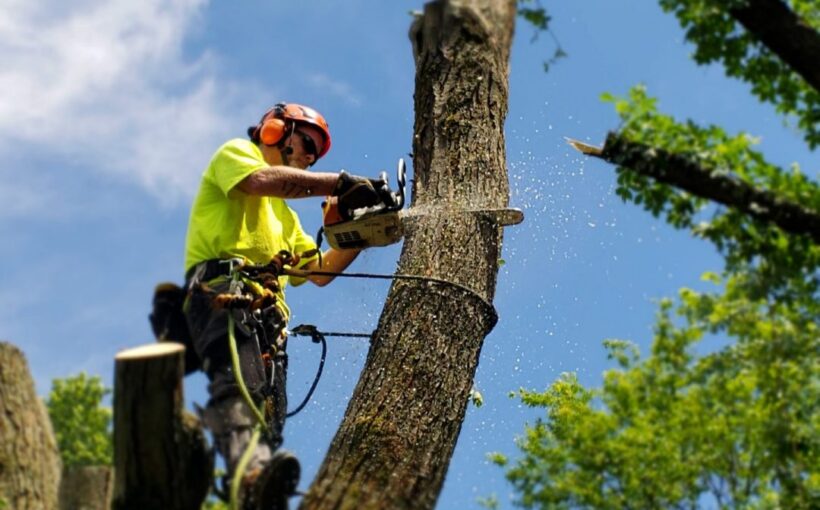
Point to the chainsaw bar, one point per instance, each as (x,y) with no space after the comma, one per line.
(503,217)
(383,229)
(384,224)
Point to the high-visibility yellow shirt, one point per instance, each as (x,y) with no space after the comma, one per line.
(226,223)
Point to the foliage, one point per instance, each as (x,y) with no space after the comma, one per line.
(733,426)
(783,264)
(81,424)
(476,398)
(538,17)
(740,424)
(718,37)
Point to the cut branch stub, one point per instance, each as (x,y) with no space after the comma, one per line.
(682,172)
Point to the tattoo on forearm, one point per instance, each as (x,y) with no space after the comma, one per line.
(291,190)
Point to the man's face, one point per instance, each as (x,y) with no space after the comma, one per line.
(306,142)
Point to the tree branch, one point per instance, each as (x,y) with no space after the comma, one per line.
(681,172)
(785,33)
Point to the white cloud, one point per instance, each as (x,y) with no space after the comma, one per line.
(107,85)
(336,88)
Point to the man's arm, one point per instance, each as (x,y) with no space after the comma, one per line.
(334,261)
(288,182)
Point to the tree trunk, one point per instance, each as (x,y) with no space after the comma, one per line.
(161,459)
(29,459)
(86,488)
(394,445)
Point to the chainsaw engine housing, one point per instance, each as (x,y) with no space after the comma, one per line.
(376,226)
(380,229)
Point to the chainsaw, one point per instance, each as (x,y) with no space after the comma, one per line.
(385,223)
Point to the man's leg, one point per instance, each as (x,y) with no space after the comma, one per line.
(227,414)
(231,422)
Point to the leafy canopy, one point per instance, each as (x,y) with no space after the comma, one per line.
(718,37)
(739,426)
(81,424)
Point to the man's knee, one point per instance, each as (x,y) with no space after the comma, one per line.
(231,422)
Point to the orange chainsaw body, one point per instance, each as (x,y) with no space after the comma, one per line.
(377,229)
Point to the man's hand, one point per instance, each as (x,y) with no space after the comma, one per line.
(356,192)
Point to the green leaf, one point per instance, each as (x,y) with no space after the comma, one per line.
(82,425)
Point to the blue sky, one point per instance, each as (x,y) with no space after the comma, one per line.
(109,112)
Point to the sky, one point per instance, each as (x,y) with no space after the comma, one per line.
(110,110)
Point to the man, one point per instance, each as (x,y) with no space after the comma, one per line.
(240,216)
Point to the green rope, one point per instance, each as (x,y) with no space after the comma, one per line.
(260,417)
(242,466)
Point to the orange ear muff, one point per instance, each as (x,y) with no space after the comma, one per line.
(272,131)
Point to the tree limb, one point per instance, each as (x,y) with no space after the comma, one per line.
(785,33)
(680,171)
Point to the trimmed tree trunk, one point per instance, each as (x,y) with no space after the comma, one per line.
(394,445)
(29,459)
(86,488)
(161,458)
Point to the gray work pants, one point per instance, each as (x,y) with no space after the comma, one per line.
(226,414)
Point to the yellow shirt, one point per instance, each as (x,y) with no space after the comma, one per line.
(226,222)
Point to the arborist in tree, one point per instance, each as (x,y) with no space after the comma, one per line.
(240,218)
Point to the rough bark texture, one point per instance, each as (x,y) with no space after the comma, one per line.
(783,32)
(685,174)
(29,459)
(394,445)
(86,488)
(161,458)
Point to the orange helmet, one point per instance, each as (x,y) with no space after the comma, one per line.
(277,121)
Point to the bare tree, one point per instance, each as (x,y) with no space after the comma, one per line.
(398,434)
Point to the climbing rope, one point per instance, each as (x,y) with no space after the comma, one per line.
(264,285)
(488,306)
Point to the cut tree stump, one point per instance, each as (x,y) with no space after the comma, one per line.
(161,458)
(86,488)
(29,459)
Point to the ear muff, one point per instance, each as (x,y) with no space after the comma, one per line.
(272,131)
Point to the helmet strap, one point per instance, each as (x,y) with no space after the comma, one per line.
(286,144)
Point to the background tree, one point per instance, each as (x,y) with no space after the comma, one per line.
(736,427)
(81,423)
(82,426)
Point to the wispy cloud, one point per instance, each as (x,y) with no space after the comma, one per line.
(107,85)
(338,88)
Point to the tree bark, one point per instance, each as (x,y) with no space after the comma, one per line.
(680,171)
(786,34)
(29,458)
(86,488)
(161,459)
(398,434)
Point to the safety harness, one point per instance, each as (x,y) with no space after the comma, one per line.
(254,291)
